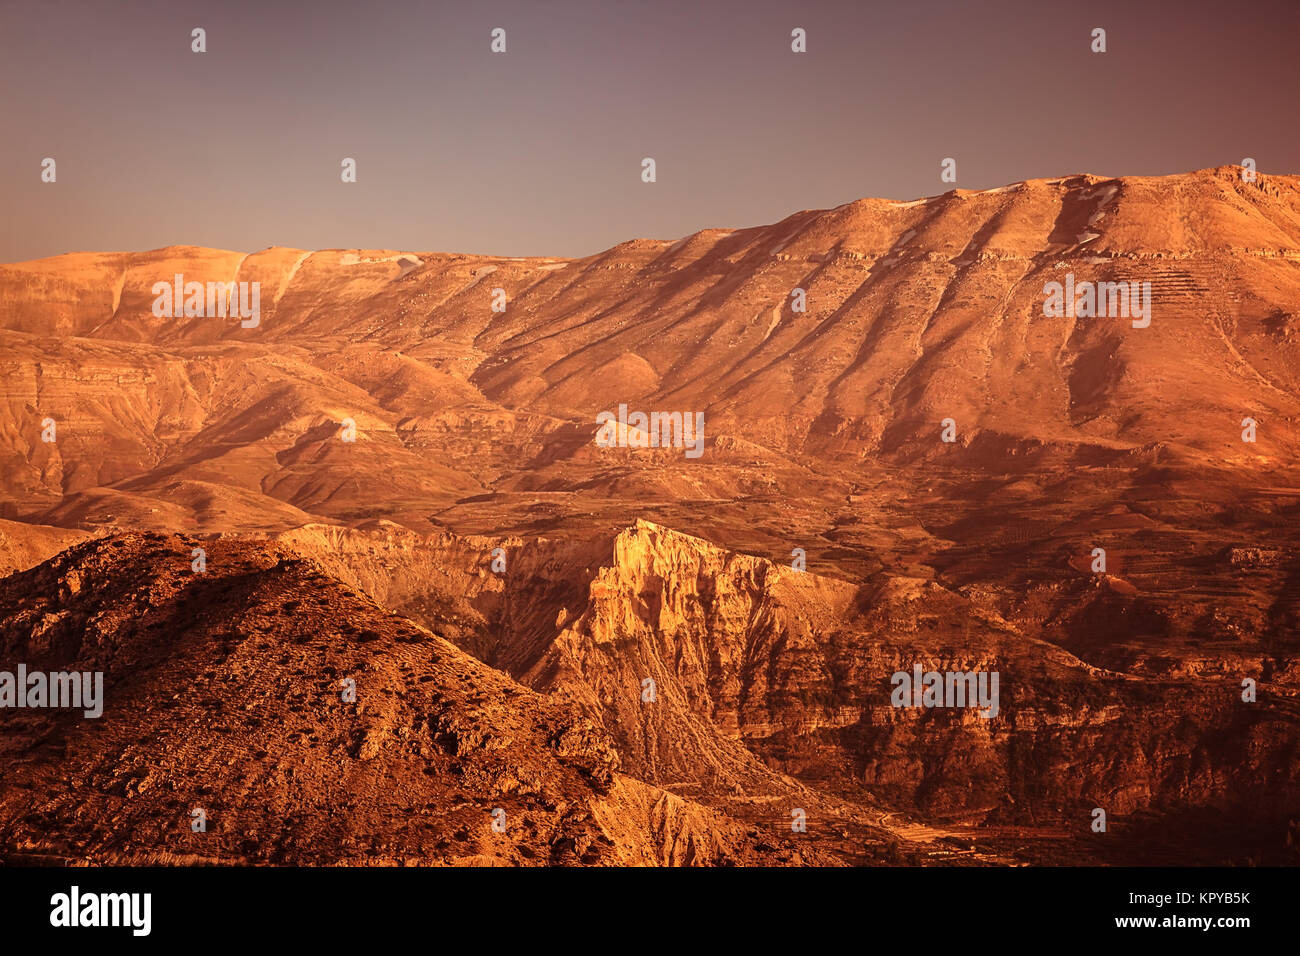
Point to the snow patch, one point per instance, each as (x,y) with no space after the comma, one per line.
(789,237)
(284,284)
(1104,198)
(917,202)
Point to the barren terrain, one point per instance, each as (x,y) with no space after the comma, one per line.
(500,586)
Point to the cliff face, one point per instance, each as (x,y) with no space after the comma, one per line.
(771,693)
(771,687)
(797,668)
(225,691)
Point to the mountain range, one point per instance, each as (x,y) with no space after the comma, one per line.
(637,655)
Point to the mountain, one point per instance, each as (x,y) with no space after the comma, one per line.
(224,691)
(424,431)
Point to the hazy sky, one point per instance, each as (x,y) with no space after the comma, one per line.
(538,151)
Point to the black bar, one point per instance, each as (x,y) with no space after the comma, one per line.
(580,906)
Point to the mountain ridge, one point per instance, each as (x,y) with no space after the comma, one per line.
(379,255)
(928,467)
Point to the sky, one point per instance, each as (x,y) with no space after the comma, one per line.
(538,150)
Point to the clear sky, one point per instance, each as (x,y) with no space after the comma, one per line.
(538,151)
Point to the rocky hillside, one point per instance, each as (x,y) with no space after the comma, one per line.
(1103,510)
(766,679)
(225,692)
(915,312)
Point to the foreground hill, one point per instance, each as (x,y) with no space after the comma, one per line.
(771,682)
(771,694)
(224,692)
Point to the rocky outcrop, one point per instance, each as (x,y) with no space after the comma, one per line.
(769,681)
(227,691)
